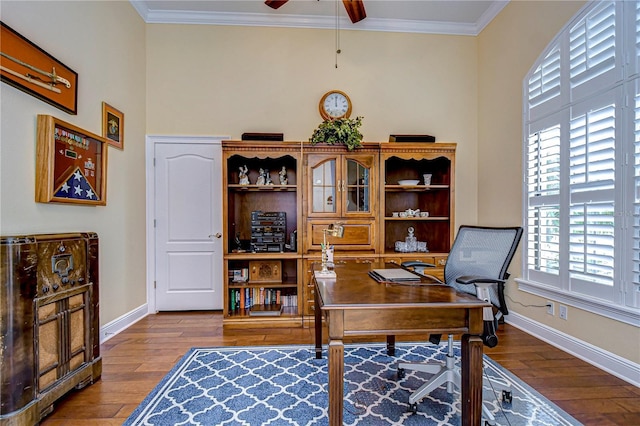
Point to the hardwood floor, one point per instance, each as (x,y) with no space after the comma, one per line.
(136,359)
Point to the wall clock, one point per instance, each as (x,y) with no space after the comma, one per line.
(335,104)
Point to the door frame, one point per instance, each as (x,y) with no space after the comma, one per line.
(150,144)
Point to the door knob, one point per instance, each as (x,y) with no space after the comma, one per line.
(217,235)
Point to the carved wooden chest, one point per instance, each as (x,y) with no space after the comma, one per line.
(49,322)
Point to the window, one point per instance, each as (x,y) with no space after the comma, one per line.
(582,163)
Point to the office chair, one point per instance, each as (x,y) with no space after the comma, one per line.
(477,264)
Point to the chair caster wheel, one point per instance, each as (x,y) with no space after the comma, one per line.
(507,396)
(414,408)
(401,373)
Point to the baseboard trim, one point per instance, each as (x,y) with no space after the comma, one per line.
(117,325)
(598,357)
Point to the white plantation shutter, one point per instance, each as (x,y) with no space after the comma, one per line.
(592,50)
(633,289)
(582,163)
(591,243)
(544,163)
(592,200)
(636,24)
(592,151)
(544,85)
(543,240)
(543,212)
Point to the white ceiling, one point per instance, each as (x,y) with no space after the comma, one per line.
(461,17)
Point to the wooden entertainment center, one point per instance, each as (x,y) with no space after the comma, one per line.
(377,193)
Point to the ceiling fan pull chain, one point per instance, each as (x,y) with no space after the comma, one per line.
(337,34)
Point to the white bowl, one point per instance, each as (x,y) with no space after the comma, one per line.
(408,182)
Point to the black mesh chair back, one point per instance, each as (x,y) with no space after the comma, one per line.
(483,252)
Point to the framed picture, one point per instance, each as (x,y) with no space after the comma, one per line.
(26,67)
(71,164)
(113,126)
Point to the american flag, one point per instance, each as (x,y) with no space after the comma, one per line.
(76,187)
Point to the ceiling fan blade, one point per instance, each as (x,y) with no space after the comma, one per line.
(355,10)
(274,4)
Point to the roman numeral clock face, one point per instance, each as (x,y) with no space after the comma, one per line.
(335,104)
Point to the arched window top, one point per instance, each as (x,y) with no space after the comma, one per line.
(581,156)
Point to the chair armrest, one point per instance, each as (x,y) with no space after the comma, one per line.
(474,279)
(418,268)
(414,263)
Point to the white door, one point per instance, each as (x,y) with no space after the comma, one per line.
(188,226)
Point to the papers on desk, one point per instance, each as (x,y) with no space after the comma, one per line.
(393,275)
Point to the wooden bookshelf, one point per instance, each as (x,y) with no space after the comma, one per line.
(328,184)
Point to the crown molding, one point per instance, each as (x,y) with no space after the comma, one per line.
(493,10)
(318,22)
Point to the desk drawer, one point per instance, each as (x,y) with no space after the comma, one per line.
(406,321)
(358,235)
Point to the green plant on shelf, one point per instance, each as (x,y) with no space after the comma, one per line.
(340,131)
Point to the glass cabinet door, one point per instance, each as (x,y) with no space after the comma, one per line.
(341,185)
(357,187)
(323,187)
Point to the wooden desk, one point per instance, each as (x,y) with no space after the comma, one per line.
(354,305)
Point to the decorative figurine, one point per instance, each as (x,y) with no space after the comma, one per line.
(244,178)
(261,177)
(238,244)
(283,176)
(267,177)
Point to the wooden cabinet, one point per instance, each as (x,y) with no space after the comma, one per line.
(262,259)
(360,189)
(49,319)
(401,163)
(341,186)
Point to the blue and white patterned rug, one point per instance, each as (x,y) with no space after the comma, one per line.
(286,385)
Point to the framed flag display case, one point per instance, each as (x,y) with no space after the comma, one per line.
(71,164)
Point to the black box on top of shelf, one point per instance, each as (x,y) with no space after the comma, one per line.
(412,138)
(278,137)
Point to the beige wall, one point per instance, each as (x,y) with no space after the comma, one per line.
(233,80)
(104,42)
(507,49)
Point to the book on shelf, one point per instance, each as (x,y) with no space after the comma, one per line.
(269,310)
(239,275)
